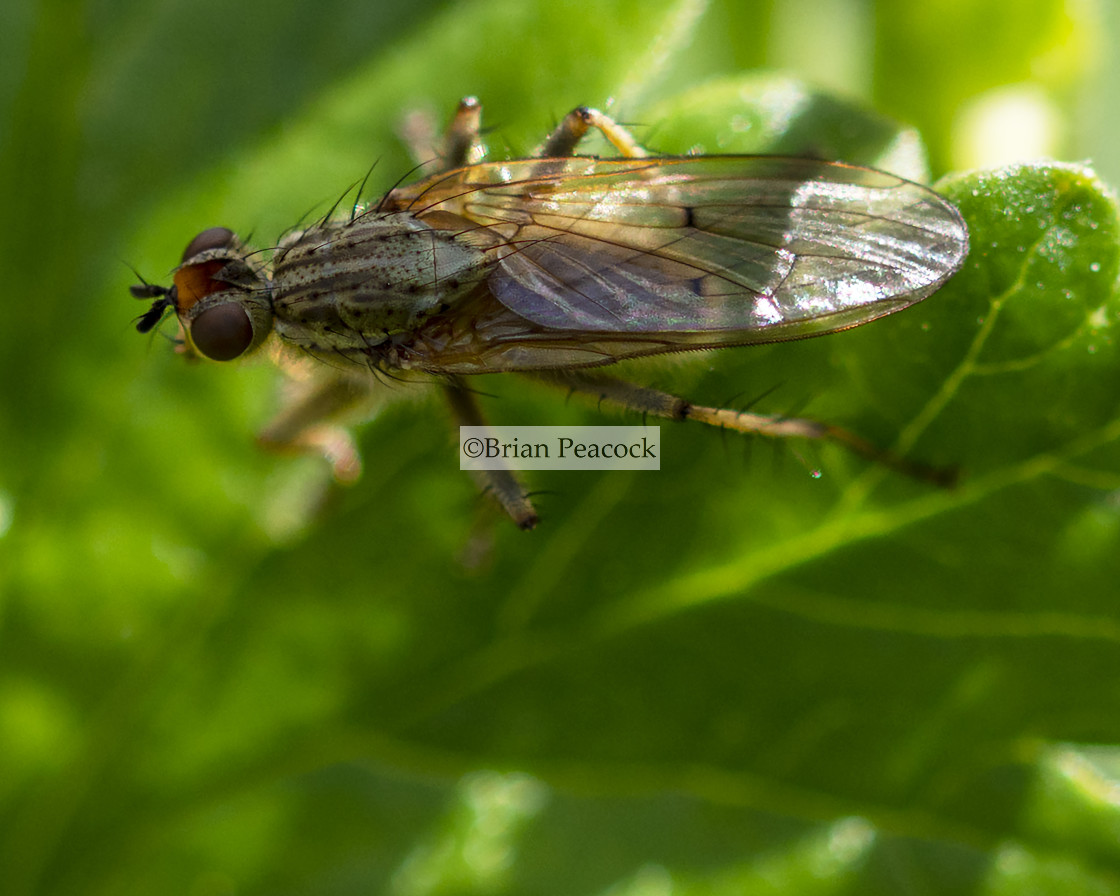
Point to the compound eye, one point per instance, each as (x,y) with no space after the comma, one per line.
(223,332)
(214,238)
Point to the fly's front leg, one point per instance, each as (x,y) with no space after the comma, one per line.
(502,484)
(662,404)
(305,425)
(565,138)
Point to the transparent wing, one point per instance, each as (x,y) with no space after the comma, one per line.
(702,251)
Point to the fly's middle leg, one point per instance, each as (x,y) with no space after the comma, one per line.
(501,484)
(460,144)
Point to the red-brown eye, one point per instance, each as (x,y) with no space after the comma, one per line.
(214,238)
(223,332)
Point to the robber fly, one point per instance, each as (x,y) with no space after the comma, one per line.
(557,265)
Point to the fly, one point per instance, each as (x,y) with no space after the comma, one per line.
(557,265)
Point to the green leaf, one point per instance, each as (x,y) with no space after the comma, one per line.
(932,59)
(219,673)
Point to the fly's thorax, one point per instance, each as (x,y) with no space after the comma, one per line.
(221,296)
(349,285)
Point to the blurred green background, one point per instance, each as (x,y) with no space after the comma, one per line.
(220,675)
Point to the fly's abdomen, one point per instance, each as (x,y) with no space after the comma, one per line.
(353,285)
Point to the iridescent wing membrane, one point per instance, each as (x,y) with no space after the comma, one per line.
(663,254)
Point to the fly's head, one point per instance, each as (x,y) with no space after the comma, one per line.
(221,298)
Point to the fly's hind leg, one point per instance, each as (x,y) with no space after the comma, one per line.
(502,484)
(662,404)
(565,138)
(461,144)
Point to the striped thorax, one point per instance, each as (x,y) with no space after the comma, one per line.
(348,287)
